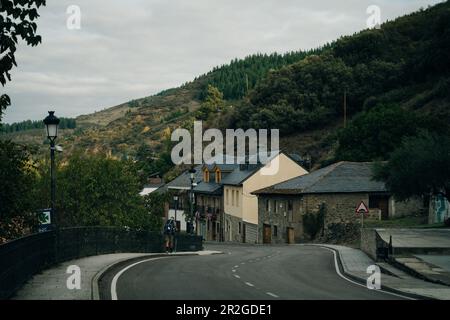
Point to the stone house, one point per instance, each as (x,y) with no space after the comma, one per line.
(339,188)
(241,206)
(225,209)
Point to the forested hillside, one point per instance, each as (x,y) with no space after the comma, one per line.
(395,80)
(406,62)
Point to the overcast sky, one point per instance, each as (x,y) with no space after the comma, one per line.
(135,48)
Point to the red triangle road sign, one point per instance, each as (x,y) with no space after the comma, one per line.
(362,208)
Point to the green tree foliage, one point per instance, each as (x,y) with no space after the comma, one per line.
(65,123)
(376,133)
(241,75)
(314,222)
(155,203)
(98,191)
(17,196)
(17,21)
(213,103)
(402,59)
(421,166)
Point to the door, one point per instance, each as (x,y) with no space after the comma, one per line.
(383,205)
(243,232)
(267,234)
(290,235)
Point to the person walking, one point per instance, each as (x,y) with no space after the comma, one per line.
(170,229)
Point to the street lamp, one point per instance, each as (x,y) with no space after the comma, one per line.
(175,198)
(191,198)
(51,124)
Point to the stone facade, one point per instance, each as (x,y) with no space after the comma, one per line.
(341,223)
(233,228)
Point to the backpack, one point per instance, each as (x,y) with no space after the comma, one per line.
(169,227)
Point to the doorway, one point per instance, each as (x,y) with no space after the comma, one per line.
(267,234)
(290,235)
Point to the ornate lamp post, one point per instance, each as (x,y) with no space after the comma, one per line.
(51,124)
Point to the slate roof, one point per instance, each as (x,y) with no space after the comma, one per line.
(183,181)
(341,177)
(236,177)
(210,188)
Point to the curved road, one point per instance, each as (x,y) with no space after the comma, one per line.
(241,273)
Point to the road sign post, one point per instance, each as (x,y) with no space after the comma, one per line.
(362,209)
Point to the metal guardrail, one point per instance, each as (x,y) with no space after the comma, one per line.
(22,258)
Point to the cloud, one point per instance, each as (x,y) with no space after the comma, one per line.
(132,49)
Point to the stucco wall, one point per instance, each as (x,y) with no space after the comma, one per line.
(230,209)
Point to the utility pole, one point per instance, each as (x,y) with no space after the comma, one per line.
(345,108)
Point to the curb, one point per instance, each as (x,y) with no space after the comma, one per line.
(363,281)
(95,291)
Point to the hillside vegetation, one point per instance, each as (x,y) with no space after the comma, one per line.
(398,74)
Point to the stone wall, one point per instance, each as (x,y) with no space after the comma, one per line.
(232,228)
(281,219)
(341,222)
(413,206)
(369,242)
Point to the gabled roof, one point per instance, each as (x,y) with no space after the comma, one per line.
(238,176)
(341,177)
(183,181)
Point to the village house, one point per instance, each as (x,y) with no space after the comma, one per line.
(241,206)
(338,189)
(225,209)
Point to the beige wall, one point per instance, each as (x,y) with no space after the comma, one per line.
(230,208)
(287,169)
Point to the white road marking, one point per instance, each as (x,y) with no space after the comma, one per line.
(236,266)
(249,284)
(272,294)
(234,270)
(242,262)
(237,276)
(117,276)
(357,283)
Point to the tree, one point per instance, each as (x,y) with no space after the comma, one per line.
(374,134)
(421,166)
(99,191)
(16,22)
(155,204)
(17,178)
(212,104)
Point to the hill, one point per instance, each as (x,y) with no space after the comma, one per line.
(405,63)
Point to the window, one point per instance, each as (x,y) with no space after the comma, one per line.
(237,198)
(206,175)
(290,205)
(240,227)
(275,208)
(227,194)
(267,205)
(275,231)
(218,175)
(232,197)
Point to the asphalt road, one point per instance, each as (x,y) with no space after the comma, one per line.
(241,273)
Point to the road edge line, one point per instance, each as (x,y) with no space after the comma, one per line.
(362,282)
(95,290)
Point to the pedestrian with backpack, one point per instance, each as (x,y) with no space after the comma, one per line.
(170,229)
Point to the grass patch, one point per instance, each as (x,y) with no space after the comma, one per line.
(403,222)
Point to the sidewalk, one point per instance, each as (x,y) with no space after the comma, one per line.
(51,283)
(354,264)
